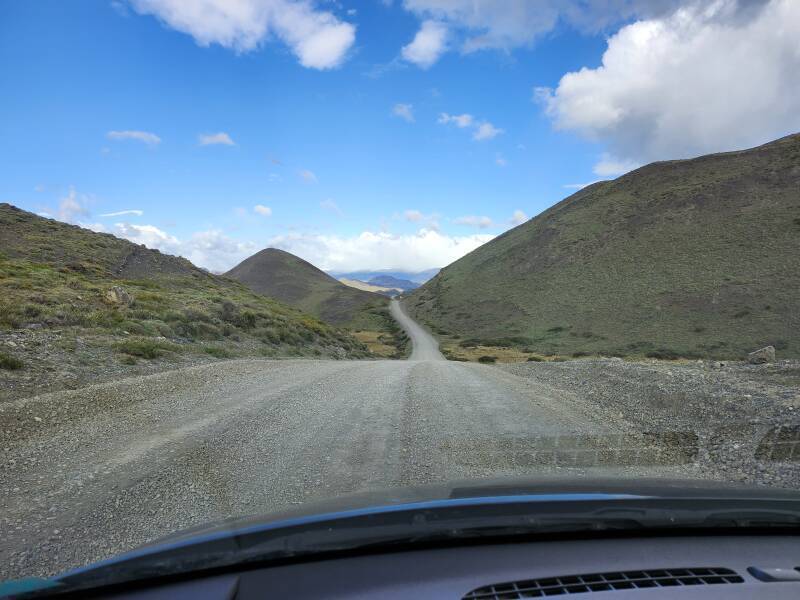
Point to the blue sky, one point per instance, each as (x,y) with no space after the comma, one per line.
(368,135)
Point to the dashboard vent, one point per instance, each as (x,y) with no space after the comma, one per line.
(604,582)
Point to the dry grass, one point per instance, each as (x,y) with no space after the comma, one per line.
(377,344)
(502,354)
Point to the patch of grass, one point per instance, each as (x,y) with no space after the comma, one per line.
(10,363)
(146,348)
(217,352)
(487,359)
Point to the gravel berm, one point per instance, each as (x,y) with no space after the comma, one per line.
(89,473)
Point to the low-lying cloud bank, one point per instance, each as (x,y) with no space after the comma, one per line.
(425,249)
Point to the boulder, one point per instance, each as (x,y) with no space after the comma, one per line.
(117,295)
(762,355)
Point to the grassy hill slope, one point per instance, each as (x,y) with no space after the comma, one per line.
(57,285)
(290,279)
(686,258)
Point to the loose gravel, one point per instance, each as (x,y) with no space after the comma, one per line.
(88,473)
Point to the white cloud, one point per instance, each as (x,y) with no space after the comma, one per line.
(264,211)
(518,218)
(210,139)
(481,130)
(500,160)
(317,38)
(71,206)
(274,177)
(149,235)
(331,206)
(146,137)
(430,221)
(211,249)
(474,221)
(486,131)
(578,186)
(121,213)
(608,166)
(39,188)
(307,176)
(708,77)
(369,250)
(461,121)
(509,24)
(428,45)
(404,111)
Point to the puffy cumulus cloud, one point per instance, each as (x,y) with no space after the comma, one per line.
(146,137)
(72,206)
(518,218)
(212,249)
(486,131)
(428,45)
(430,221)
(474,221)
(317,38)
(474,25)
(461,121)
(213,139)
(215,251)
(371,251)
(704,78)
(414,216)
(509,24)
(481,130)
(148,235)
(264,211)
(404,111)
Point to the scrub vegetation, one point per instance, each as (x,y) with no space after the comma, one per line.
(679,259)
(67,293)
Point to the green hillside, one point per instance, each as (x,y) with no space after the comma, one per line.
(692,258)
(290,279)
(125,303)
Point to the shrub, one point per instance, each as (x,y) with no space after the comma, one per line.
(11,363)
(487,359)
(146,348)
(217,352)
(246,320)
(535,359)
(663,354)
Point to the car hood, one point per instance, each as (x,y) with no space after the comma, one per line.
(544,487)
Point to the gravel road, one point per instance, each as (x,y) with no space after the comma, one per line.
(90,473)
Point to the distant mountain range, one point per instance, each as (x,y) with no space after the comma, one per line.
(685,258)
(418,277)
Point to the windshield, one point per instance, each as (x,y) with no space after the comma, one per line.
(261,255)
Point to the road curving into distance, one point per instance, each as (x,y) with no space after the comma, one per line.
(89,473)
(423,345)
